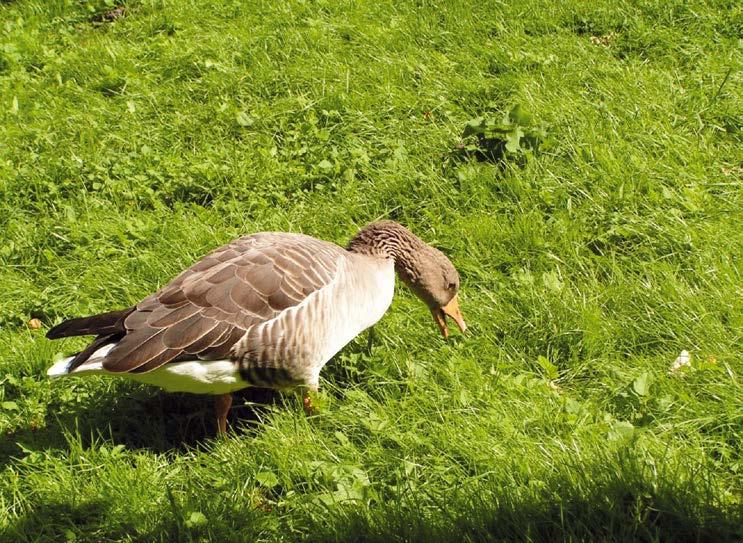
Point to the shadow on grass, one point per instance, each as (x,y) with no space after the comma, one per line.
(140,418)
(54,521)
(611,510)
(616,509)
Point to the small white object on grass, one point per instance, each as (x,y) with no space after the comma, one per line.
(683,359)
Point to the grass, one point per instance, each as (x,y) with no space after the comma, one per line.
(132,147)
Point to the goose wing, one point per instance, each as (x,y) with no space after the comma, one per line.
(205,310)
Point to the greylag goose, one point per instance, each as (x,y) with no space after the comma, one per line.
(267,309)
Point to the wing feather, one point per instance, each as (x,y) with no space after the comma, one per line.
(209,307)
(186,332)
(135,349)
(210,337)
(165,317)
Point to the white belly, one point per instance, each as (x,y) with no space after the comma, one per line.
(196,376)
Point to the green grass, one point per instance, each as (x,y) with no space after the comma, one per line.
(128,149)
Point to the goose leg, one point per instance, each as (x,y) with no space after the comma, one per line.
(307,404)
(222,407)
(307,392)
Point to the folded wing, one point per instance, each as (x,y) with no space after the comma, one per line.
(206,309)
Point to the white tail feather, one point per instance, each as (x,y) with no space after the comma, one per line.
(93,365)
(61,367)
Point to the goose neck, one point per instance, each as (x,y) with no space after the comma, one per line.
(388,239)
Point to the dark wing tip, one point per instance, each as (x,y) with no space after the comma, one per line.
(59,331)
(111,322)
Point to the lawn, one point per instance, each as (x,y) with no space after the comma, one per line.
(134,141)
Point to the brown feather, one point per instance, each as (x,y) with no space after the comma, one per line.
(135,349)
(287,266)
(220,296)
(249,300)
(210,336)
(224,347)
(172,296)
(197,290)
(227,255)
(166,317)
(161,358)
(210,306)
(226,273)
(256,258)
(265,281)
(184,333)
(138,319)
(280,300)
(81,357)
(295,287)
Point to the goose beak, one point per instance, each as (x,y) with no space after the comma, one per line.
(449,310)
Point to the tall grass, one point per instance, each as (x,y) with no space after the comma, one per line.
(132,147)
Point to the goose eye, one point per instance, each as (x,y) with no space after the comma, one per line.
(452,286)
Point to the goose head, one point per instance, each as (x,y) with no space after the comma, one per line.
(434,279)
(426,270)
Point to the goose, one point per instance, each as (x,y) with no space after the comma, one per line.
(267,309)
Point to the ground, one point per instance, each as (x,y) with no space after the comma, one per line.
(138,136)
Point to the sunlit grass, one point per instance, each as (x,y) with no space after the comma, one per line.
(130,148)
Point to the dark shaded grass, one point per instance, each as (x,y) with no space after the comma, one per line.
(620,499)
(145,418)
(612,506)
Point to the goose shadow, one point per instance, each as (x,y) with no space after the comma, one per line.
(148,418)
(140,417)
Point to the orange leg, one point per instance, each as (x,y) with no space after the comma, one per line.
(307,392)
(307,404)
(222,405)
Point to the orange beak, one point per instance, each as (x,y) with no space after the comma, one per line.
(451,310)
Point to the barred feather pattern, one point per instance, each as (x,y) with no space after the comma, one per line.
(210,307)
